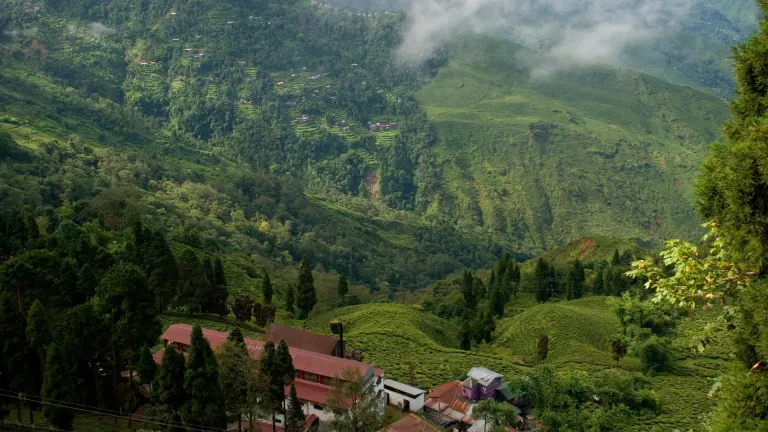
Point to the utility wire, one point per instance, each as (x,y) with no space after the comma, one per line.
(92,410)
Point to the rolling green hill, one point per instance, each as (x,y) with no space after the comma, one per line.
(594,151)
(395,336)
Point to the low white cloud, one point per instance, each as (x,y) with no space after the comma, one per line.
(569,32)
(99,29)
(14,33)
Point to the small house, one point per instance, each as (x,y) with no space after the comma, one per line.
(447,406)
(280,84)
(481,384)
(406,397)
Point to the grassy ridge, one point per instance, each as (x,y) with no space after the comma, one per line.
(580,331)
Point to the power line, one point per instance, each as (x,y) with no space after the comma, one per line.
(105,412)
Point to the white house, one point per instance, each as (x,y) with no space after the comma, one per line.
(404,396)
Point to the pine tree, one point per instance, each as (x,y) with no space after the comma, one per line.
(208,297)
(38,334)
(220,296)
(616,260)
(38,330)
(542,276)
(59,386)
(598,287)
(465,334)
(147,368)
(467,289)
(342,288)
(289,300)
(489,326)
(270,385)
(267,289)
(307,297)
(608,287)
(236,336)
(168,386)
(161,269)
(554,282)
(125,297)
(14,349)
(575,281)
(284,372)
(218,272)
(295,418)
(284,363)
(205,402)
(478,289)
(193,282)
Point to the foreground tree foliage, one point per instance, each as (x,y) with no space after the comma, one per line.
(733,194)
(356,405)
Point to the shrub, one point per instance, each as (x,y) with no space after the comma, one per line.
(655,354)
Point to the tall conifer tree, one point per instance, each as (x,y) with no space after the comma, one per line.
(205,402)
(307,296)
(58,386)
(168,386)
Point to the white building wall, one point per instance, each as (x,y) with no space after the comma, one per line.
(398,400)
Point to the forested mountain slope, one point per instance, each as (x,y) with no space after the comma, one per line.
(247,122)
(586,152)
(207,148)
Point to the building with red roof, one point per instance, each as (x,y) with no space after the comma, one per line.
(448,405)
(315,372)
(304,339)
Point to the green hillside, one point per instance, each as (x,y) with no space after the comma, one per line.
(579,331)
(593,151)
(587,249)
(394,336)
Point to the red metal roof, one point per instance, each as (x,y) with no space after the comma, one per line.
(410,423)
(303,360)
(449,400)
(310,391)
(301,339)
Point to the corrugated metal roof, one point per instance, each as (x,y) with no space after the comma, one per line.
(301,339)
(449,400)
(482,375)
(403,387)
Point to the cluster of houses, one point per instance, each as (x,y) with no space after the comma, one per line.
(320,361)
(377,126)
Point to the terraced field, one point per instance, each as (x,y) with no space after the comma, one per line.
(247,110)
(386,138)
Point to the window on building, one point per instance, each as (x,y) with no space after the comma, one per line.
(310,377)
(329,381)
(317,407)
(278,421)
